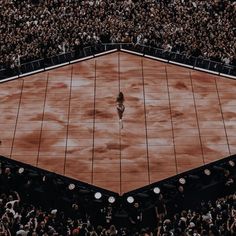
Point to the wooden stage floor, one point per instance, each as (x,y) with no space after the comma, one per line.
(65,120)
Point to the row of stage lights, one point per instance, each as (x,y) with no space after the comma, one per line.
(72,186)
(130,199)
(97,195)
(182,181)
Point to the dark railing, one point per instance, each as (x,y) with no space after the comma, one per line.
(69,57)
(194,62)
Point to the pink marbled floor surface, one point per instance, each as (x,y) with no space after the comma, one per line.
(65,120)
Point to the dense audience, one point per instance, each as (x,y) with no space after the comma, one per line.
(33,29)
(210,219)
(20,217)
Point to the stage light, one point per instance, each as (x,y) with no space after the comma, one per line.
(182,181)
(207,172)
(232,163)
(130,199)
(21,170)
(156,190)
(71,186)
(111,199)
(97,195)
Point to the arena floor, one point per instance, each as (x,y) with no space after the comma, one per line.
(65,120)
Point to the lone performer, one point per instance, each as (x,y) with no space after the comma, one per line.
(120,107)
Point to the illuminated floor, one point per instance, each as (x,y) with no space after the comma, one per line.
(65,120)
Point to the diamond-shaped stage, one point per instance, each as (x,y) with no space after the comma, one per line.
(65,120)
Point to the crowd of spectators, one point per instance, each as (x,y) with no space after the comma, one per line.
(20,216)
(213,218)
(33,29)
(216,218)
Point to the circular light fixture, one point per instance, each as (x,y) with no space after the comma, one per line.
(111,199)
(71,186)
(207,172)
(232,163)
(130,199)
(21,170)
(156,190)
(182,181)
(97,195)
